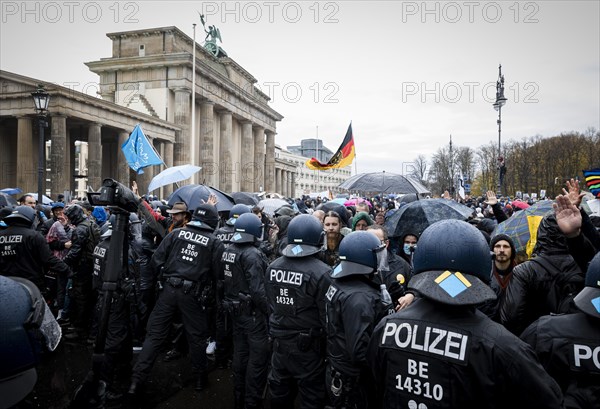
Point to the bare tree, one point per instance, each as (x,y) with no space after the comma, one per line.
(420,168)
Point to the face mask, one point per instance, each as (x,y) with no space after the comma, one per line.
(407,249)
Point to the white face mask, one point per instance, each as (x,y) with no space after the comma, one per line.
(407,249)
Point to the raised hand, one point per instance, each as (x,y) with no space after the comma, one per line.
(491,198)
(212,200)
(568,216)
(574,194)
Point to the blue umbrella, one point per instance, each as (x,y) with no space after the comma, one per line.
(194,195)
(11,190)
(172,175)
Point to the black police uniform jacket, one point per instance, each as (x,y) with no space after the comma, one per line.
(296,290)
(79,258)
(442,356)
(527,296)
(225,233)
(244,268)
(354,307)
(568,347)
(190,253)
(24,253)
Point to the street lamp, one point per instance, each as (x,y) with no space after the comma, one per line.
(41,99)
(500,101)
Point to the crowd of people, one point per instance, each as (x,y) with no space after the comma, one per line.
(318,303)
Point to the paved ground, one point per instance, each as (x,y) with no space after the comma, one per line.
(171,384)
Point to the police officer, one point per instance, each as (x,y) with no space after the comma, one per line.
(224,233)
(354,306)
(84,239)
(22,311)
(244,268)
(24,252)
(444,353)
(296,284)
(222,331)
(189,261)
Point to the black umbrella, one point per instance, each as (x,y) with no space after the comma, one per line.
(7,200)
(416,216)
(409,198)
(247,198)
(382,182)
(194,195)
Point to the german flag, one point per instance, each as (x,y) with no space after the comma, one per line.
(342,158)
(592,181)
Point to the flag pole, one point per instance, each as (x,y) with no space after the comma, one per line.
(319,159)
(355,165)
(193,127)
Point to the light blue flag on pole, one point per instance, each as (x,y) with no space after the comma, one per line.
(139,152)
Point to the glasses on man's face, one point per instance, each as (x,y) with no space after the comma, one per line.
(30,203)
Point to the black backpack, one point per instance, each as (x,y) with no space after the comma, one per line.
(92,240)
(563,289)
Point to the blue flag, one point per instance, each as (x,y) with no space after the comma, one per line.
(138,151)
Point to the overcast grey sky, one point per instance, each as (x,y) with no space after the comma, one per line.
(407,74)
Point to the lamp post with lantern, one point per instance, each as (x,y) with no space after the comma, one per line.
(41,99)
(498,104)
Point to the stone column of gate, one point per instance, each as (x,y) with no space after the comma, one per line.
(284,183)
(288,183)
(225,159)
(270,182)
(95,156)
(25,165)
(58,163)
(278,183)
(247,158)
(207,144)
(181,150)
(259,158)
(168,158)
(293,188)
(122,166)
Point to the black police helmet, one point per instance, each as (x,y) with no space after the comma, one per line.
(452,264)
(74,213)
(358,254)
(305,236)
(22,307)
(21,215)
(248,229)
(588,299)
(235,212)
(206,217)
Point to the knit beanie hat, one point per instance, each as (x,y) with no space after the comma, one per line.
(510,241)
(361,216)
